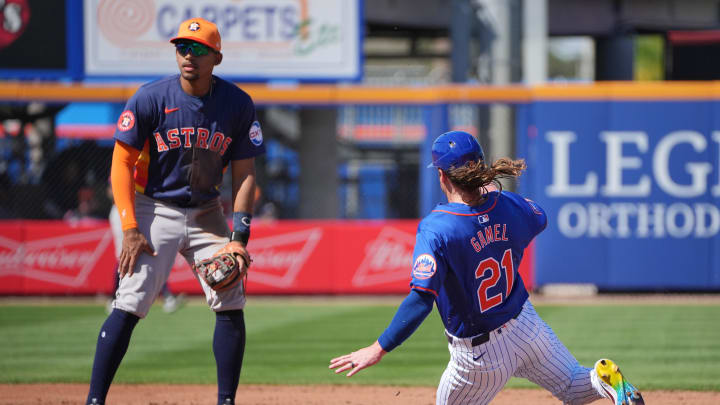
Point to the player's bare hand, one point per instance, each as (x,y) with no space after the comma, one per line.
(358,360)
(237,249)
(133,245)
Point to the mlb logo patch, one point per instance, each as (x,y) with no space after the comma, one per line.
(424,267)
(255,134)
(483,218)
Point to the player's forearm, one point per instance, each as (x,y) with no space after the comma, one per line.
(244,194)
(243,180)
(243,185)
(123,184)
(410,314)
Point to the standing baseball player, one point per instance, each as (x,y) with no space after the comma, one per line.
(176,136)
(466,259)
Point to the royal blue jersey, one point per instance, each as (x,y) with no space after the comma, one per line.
(186,142)
(468,257)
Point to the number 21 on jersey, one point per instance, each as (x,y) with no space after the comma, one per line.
(491,265)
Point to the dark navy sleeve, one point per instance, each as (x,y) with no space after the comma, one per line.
(410,314)
(248,141)
(136,121)
(428,271)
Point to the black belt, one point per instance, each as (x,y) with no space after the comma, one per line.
(481,338)
(186,203)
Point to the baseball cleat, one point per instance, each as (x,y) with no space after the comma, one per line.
(606,374)
(173,303)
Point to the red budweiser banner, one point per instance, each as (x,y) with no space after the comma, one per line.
(289,257)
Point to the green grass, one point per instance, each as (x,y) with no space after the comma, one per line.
(291,342)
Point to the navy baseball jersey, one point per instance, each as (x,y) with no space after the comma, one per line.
(468,257)
(186,142)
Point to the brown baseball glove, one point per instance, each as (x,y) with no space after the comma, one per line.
(223,271)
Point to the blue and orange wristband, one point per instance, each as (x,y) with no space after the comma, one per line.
(241,227)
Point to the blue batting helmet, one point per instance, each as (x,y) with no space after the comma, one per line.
(454,149)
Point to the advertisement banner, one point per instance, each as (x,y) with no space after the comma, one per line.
(323,257)
(261,39)
(289,257)
(54,257)
(631,189)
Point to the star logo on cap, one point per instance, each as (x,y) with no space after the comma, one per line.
(194,26)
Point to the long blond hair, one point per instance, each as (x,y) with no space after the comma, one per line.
(474,176)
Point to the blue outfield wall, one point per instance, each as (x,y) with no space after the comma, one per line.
(631,189)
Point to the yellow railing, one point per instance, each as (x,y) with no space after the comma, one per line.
(358,94)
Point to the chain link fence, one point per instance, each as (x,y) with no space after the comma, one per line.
(60,171)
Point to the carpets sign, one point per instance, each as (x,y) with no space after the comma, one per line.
(261,39)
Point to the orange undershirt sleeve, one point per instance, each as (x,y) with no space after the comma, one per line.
(123,184)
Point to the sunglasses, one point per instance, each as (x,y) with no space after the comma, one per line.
(196,48)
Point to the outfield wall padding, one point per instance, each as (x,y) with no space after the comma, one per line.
(289,257)
(631,189)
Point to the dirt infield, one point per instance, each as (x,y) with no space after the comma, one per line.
(64,394)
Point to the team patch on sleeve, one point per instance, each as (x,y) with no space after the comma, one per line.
(126,121)
(536,209)
(255,134)
(424,267)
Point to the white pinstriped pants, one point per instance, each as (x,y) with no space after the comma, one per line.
(525,347)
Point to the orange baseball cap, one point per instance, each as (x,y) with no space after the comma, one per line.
(199,30)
